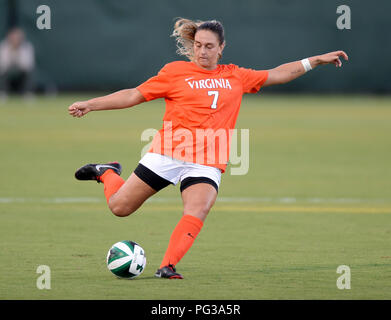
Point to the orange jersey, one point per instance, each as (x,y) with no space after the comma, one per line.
(201,109)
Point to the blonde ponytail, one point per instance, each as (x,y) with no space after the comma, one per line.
(184,32)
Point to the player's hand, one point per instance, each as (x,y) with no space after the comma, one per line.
(79,109)
(333,58)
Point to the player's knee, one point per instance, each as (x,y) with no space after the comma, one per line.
(199,211)
(120,209)
(203,210)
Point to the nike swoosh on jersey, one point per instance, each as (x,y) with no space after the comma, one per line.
(189,78)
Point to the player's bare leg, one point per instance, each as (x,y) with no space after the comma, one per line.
(130,196)
(198,199)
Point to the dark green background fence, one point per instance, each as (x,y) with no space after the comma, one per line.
(113,44)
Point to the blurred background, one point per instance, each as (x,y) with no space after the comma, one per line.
(108,45)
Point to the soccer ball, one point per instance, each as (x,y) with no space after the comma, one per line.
(126,259)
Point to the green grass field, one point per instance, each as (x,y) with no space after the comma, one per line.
(317,196)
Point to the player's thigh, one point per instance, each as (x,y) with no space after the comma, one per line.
(130,196)
(198,199)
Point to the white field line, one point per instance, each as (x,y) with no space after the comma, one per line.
(51,200)
(270,200)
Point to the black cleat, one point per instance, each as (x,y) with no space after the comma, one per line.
(168,272)
(95,171)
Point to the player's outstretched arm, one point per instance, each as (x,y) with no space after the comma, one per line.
(118,100)
(290,71)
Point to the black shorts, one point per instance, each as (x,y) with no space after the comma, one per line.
(157,183)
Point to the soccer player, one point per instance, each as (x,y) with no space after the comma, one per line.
(202,101)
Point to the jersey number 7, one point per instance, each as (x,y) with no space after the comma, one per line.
(215,98)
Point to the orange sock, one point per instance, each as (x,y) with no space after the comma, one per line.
(182,239)
(112,182)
